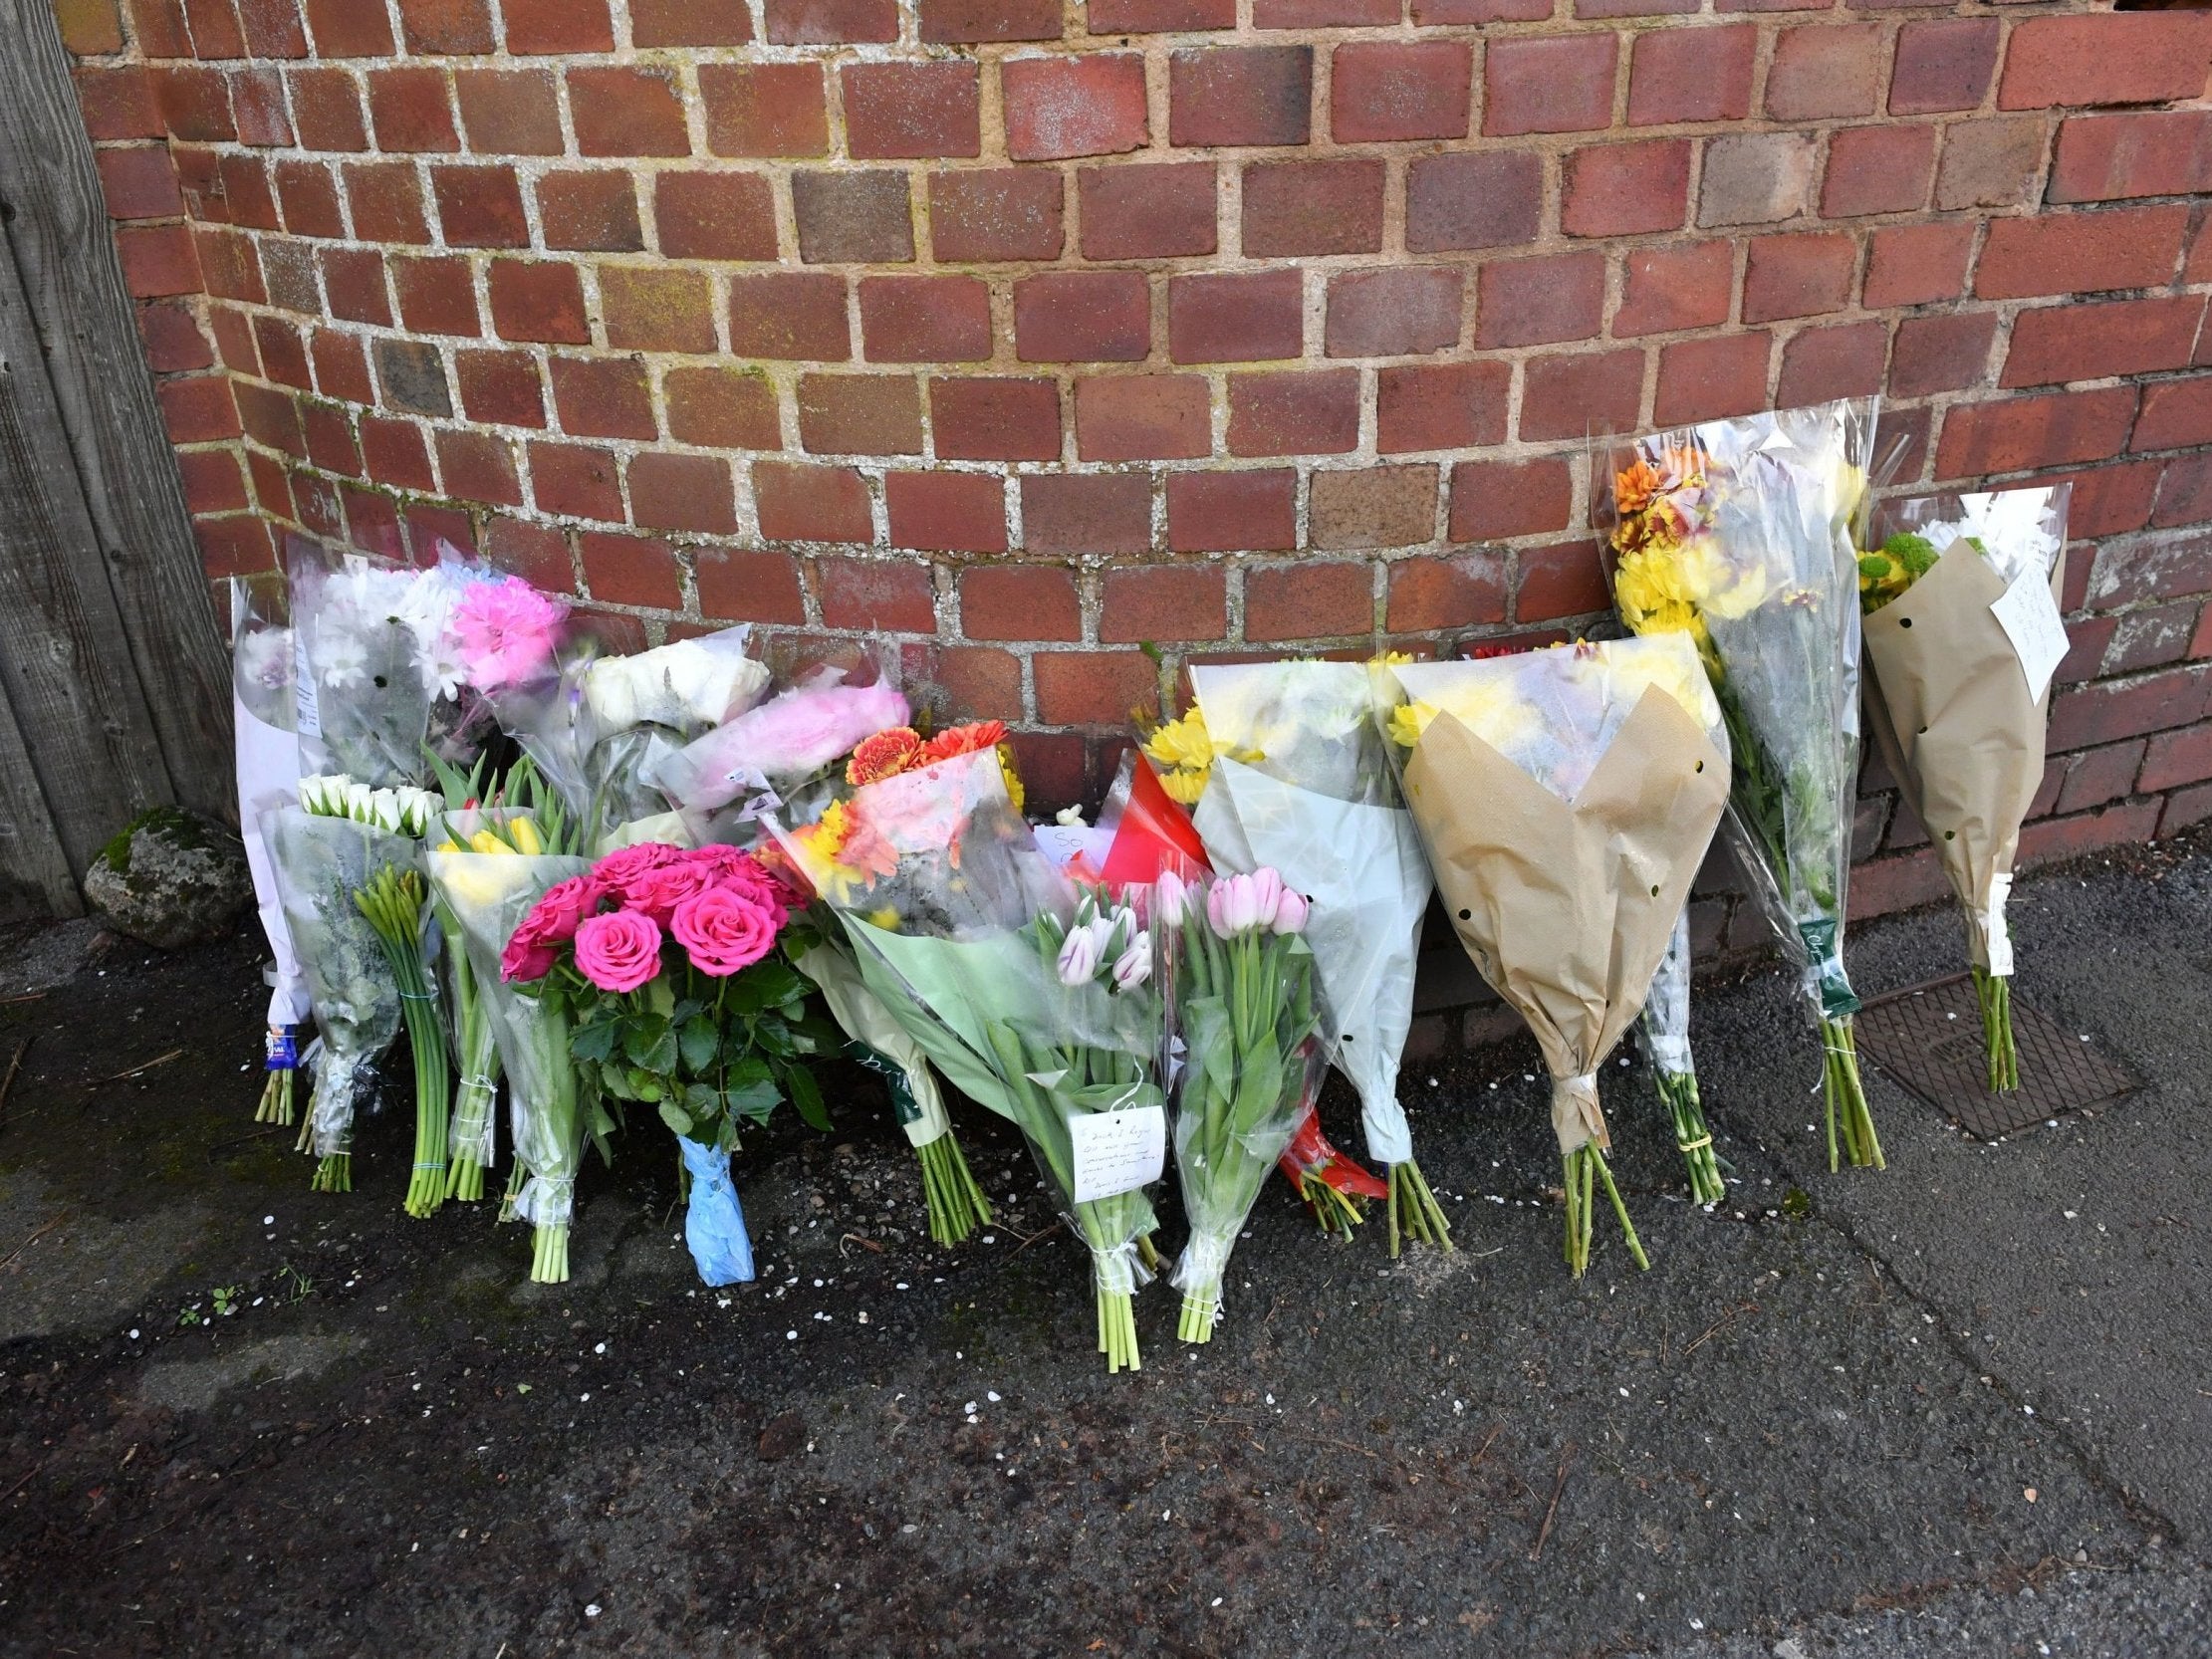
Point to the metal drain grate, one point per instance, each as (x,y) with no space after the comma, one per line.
(1929,1037)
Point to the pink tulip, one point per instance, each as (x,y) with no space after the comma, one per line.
(1291,912)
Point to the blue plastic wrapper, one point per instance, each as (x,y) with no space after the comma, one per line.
(714,1225)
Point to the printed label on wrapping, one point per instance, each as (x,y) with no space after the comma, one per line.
(2030,618)
(903,1108)
(1825,954)
(282,1052)
(307,712)
(1116,1151)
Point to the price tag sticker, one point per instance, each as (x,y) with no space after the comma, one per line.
(1117,1151)
(306,709)
(2030,618)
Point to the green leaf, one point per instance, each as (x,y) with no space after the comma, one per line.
(755,1100)
(805,1095)
(644,1086)
(649,1043)
(675,1117)
(699,1039)
(593,1042)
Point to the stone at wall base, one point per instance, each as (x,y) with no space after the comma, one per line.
(169,879)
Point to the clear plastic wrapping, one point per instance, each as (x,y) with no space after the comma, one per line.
(268,768)
(369,640)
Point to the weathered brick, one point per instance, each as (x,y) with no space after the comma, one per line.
(1372,507)
(385,200)
(2176,414)
(2075,342)
(827,21)
(1141,418)
(1091,512)
(594,210)
(1540,301)
(764,109)
(2113,157)
(1943,64)
(947,512)
(500,387)
(1059,108)
(628,110)
(1322,14)
(327,109)
(1705,380)
(1143,603)
(1156,212)
(895,112)
(2176,758)
(646,309)
(1622,190)
(995,419)
(2185,494)
(309,193)
(629,569)
(991,214)
(689,23)
(2147,57)
(354,285)
(859,414)
(1684,286)
(1914,265)
(1311,599)
(1878,169)
(1241,95)
(480,206)
(790,313)
(1563,579)
(981,683)
(718,215)
(681,492)
(1941,353)
(1083,316)
(1396,312)
(812,504)
(1096,688)
(2110,710)
(1560,85)
(1691,75)
(2053,429)
(1298,412)
(1824,71)
(1396,90)
(1573,394)
(1798,276)
(1160,17)
(551,26)
(343,29)
(1232,512)
(1461,589)
(576,481)
(1019,602)
(1312,207)
(603,397)
(1493,501)
(720,409)
(1494,199)
(1441,407)
(509,111)
(1844,360)
(935,318)
(2079,252)
(1755,179)
(408,109)
(960,22)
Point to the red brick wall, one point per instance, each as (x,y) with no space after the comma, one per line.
(1235,325)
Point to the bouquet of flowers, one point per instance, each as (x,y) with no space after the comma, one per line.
(375,654)
(268,771)
(1237,983)
(337,844)
(1665,1036)
(1035,1001)
(1739,532)
(1567,797)
(1288,771)
(667,963)
(1961,601)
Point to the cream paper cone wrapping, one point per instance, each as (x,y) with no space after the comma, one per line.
(1955,722)
(1566,909)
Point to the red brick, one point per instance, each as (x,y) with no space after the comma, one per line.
(714,215)
(1621,190)
(454,28)
(789,315)
(1492,501)
(228,263)
(1235,317)
(2150,58)
(555,26)
(1943,64)
(938,319)
(1798,276)
(960,22)
(1563,580)
(1232,512)
(997,418)
(395,453)
(1704,379)
(173,340)
(1916,265)
(627,112)
(509,111)
(197,410)
(1372,507)
(1941,353)
(980,684)
(2115,709)
(1441,407)
(1390,89)
(538,299)
(876,594)
(247,192)
(1139,418)
(681,492)
(812,504)
(996,213)
(91,28)
(409,110)
(1160,17)
(1536,302)
(1019,602)
(764,109)
(947,512)
(1144,604)
(1300,413)
(480,206)
(478,466)
(1059,108)
(327,109)
(2146,571)
(1494,199)
(2075,342)
(386,202)
(1819,365)
(213,482)
(721,408)
(269,417)
(859,414)
(594,211)
(1308,601)
(194,104)
(1394,312)
(1241,95)
(1083,316)
(689,23)
(825,22)
(1312,207)
(1878,169)
(1559,85)
(2176,758)
(2072,252)
(118,102)
(655,310)
(234,345)
(310,197)
(282,354)
(904,110)
(1462,590)
(346,29)
(851,216)
(1568,395)
(1096,688)
(413,374)
(436,295)
(2110,157)
(1089,512)
(140,182)
(354,285)
(1685,285)
(257,106)
(629,569)
(1823,71)
(748,585)
(1684,75)
(2177,414)
(1141,211)
(2054,429)
(2185,494)
(500,387)
(603,397)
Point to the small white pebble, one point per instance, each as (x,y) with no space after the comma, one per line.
(791,1336)
(599,1347)
(133,1333)
(268,1221)
(590,1609)
(991,1394)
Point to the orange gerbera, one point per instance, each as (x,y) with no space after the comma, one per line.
(1634,488)
(884,754)
(963,739)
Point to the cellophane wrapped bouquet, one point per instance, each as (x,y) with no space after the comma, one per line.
(1567,797)
(1288,771)
(340,842)
(1740,533)
(1664,1033)
(678,997)
(1035,999)
(376,654)
(1961,593)
(267,758)
(1237,983)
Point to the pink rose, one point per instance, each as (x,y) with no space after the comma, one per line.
(724,931)
(526,959)
(748,877)
(624,871)
(619,951)
(535,945)
(659,891)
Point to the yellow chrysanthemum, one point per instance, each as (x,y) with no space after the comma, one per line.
(1487,704)
(1185,751)
(1408,721)
(1185,787)
(1014,790)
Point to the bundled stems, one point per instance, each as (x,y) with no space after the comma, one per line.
(1584,1169)
(1851,1125)
(1414,1211)
(334,1173)
(1333,1211)
(1994,993)
(549,1253)
(392,902)
(956,1204)
(515,1178)
(1678,1090)
(276,1098)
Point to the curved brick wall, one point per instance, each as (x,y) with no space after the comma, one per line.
(1068,342)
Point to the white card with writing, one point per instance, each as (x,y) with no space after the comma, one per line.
(1117,1151)
(2030,618)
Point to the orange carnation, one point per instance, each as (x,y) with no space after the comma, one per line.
(884,754)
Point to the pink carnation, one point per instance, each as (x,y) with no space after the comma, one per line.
(619,951)
(505,632)
(724,930)
(535,946)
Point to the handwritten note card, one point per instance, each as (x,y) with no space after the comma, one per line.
(2030,618)
(1117,1151)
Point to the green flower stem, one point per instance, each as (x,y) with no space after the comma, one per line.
(392,902)
(276,1098)
(1994,993)
(1678,1090)
(334,1173)
(1584,1169)
(548,1258)
(515,1178)
(956,1204)
(1851,1126)
(1414,1211)
(1334,1211)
